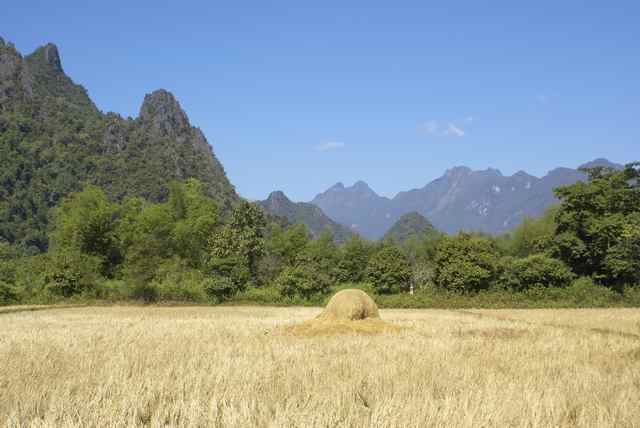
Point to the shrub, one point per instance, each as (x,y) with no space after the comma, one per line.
(259,295)
(219,287)
(71,272)
(7,294)
(145,291)
(585,293)
(632,295)
(302,281)
(538,270)
(389,270)
(113,290)
(465,263)
(175,280)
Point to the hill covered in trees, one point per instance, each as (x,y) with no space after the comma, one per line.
(311,216)
(54,140)
(410,225)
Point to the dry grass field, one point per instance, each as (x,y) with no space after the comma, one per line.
(242,367)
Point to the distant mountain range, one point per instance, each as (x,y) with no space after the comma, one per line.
(278,204)
(461,199)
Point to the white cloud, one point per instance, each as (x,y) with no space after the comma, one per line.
(329,145)
(454,131)
(443,129)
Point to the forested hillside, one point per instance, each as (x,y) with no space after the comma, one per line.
(311,216)
(410,226)
(54,140)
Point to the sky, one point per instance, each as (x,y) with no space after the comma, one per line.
(296,96)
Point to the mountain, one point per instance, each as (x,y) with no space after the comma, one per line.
(462,199)
(278,204)
(410,225)
(603,163)
(359,208)
(53,140)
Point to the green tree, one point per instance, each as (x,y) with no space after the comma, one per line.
(389,270)
(145,233)
(303,281)
(465,263)
(534,235)
(320,255)
(282,247)
(535,271)
(71,272)
(85,223)
(596,223)
(287,244)
(354,257)
(196,218)
(240,241)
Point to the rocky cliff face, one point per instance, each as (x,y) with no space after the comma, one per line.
(15,80)
(159,146)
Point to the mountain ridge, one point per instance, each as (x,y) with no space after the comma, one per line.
(460,199)
(278,204)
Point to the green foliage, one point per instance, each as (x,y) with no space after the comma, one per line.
(85,223)
(7,294)
(145,232)
(320,256)
(534,271)
(196,218)
(70,272)
(354,256)
(241,239)
(597,226)
(175,280)
(53,139)
(287,244)
(389,270)
(411,226)
(220,287)
(465,263)
(303,281)
(282,247)
(534,235)
(259,296)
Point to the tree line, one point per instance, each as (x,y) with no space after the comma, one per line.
(186,249)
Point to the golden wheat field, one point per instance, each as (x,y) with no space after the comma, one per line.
(242,367)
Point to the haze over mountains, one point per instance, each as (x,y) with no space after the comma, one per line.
(461,199)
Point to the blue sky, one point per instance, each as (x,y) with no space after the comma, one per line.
(297,97)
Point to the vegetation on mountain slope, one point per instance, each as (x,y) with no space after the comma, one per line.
(53,140)
(311,216)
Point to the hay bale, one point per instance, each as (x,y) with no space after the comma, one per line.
(348,312)
(350,305)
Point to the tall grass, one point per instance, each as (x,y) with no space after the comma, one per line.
(237,367)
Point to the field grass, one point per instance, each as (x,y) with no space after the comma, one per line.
(242,367)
